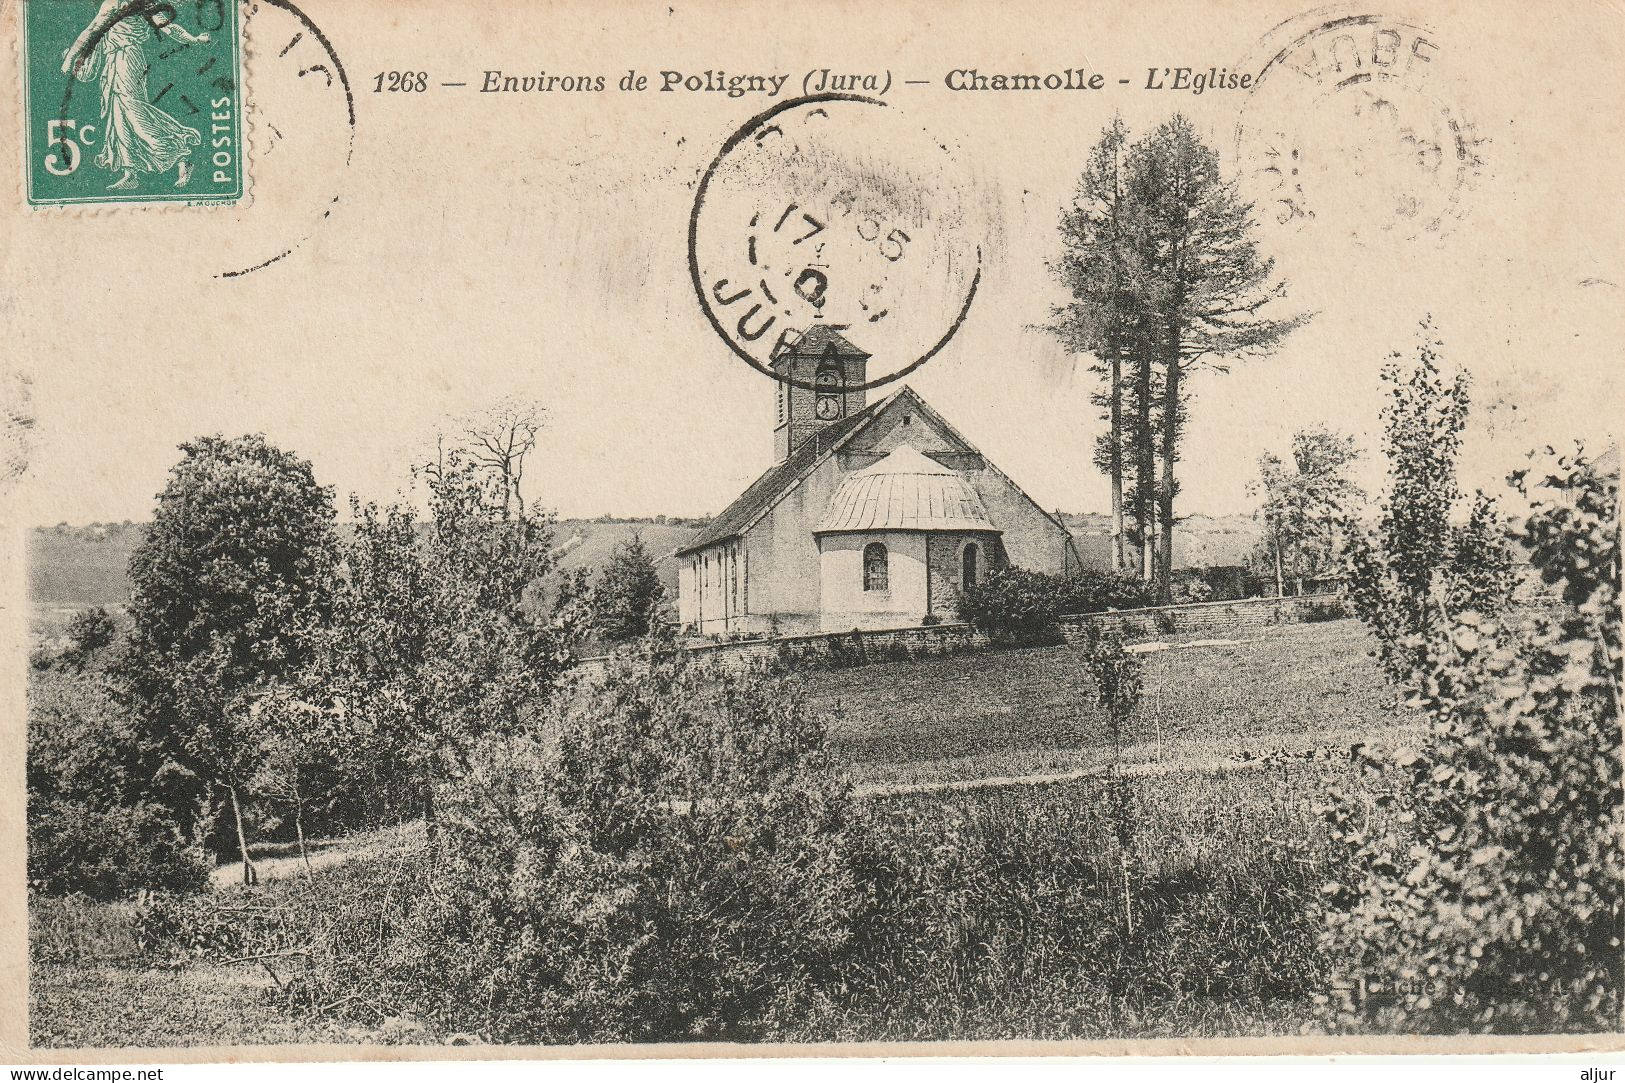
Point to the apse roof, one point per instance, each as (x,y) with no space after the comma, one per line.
(906,490)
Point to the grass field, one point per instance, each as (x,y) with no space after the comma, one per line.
(91,985)
(1031,711)
(1227,865)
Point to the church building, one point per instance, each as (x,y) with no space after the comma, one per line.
(875,515)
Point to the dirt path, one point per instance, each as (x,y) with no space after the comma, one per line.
(1143,769)
(281,861)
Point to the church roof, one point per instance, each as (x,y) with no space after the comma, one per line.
(765,491)
(778,480)
(815,338)
(905,491)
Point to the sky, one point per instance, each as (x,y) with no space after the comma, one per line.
(488,245)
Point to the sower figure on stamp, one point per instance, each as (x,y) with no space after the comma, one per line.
(137,136)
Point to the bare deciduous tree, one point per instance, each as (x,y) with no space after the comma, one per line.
(496,441)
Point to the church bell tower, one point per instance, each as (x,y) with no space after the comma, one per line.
(833,372)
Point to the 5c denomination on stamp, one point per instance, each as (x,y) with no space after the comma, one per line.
(133,101)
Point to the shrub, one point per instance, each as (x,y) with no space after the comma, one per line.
(1192,587)
(1096,592)
(789,656)
(77,929)
(844,652)
(215,926)
(107,852)
(103,815)
(1221,582)
(89,632)
(662,857)
(1023,605)
(1316,612)
(1495,898)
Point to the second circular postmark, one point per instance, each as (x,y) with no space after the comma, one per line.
(1356,122)
(303,117)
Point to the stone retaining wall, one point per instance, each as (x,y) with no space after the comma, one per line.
(1234,616)
(1136,625)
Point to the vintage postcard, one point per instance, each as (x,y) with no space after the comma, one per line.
(543,528)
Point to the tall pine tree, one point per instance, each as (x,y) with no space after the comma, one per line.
(628,594)
(1100,319)
(1204,290)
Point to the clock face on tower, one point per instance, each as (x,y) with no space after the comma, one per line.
(829,407)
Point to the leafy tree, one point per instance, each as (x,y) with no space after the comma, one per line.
(1304,502)
(1418,569)
(228,587)
(1488,891)
(499,440)
(309,747)
(1206,288)
(628,594)
(438,636)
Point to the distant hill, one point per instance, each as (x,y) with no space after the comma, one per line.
(588,543)
(72,567)
(1200,541)
(76,567)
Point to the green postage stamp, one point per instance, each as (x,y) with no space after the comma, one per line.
(133,101)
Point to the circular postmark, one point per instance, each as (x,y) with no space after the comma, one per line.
(834,210)
(1354,120)
(301,113)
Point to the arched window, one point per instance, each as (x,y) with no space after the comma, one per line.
(876,571)
(967,561)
